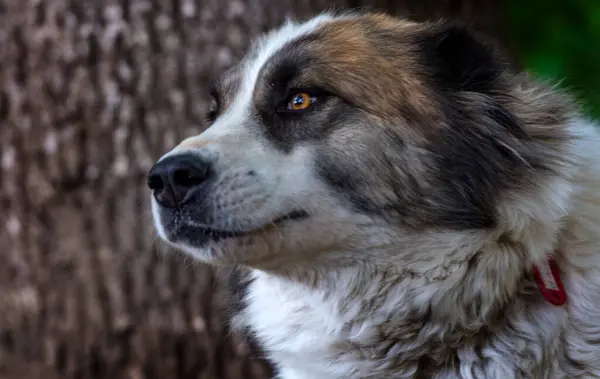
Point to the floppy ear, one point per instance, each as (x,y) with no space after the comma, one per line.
(459,59)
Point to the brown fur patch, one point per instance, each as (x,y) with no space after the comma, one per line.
(368,61)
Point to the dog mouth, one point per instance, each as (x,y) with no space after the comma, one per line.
(200,235)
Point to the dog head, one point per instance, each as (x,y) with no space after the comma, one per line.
(360,137)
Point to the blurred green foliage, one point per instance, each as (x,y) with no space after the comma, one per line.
(560,40)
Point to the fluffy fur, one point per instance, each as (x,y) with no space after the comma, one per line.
(390,230)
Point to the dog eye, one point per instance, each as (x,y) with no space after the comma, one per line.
(214,106)
(300,101)
(213,110)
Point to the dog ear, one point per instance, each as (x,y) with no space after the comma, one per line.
(457,58)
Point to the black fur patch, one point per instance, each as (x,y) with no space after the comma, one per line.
(238,285)
(472,167)
(457,59)
(278,81)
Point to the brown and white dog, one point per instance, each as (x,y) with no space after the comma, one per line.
(403,204)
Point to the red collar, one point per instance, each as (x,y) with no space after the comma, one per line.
(548,280)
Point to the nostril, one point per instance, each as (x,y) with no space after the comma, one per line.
(155,182)
(189,177)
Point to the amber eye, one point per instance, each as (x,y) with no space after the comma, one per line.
(300,101)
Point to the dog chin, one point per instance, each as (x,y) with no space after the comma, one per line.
(224,247)
(212,253)
(247,249)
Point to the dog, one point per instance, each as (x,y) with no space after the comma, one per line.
(401,203)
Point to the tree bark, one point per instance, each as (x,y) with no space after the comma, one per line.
(91,93)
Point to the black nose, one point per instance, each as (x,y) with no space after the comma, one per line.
(174,177)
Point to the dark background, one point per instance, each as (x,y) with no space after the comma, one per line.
(91,93)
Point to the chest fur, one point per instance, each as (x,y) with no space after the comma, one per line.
(315,334)
(302,331)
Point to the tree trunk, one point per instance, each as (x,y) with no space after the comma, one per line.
(91,93)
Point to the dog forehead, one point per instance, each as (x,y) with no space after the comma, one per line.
(334,32)
(265,48)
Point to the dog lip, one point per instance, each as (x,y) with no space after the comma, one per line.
(211,234)
(294,215)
